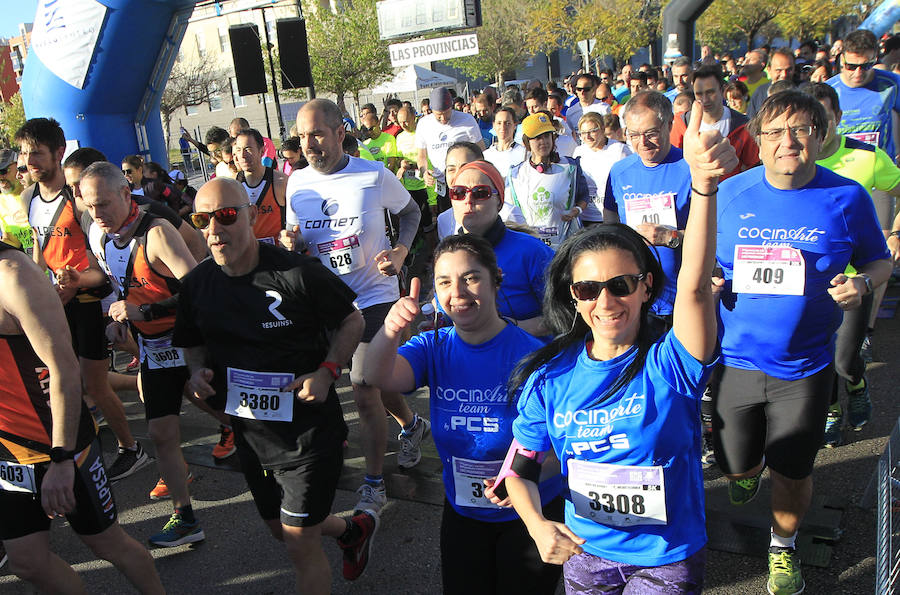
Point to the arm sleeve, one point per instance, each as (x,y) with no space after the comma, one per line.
(887,174)
(409,217)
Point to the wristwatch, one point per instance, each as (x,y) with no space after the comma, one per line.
(332,367)
(58,454)
(868,281)
(675,242)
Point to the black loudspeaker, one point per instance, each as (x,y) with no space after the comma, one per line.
(293,53)
(248,61)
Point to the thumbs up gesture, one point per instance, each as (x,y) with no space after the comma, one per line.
(404,311)
(707,153)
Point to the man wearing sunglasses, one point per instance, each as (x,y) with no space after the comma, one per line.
(870,98)
(337,205)
(252,320)
(145,257)
(586,91)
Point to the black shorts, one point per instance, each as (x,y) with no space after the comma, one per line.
(88,329)
(374,316)
(95,511)
(162,389)
(480,557)
(757,414)
(301,496)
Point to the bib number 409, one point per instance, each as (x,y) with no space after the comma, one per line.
(260,402)
(768,275)
(620,503)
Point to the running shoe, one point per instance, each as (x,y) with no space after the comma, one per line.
(356,554)
(133,365)
(178,532)
(225,448)
(859,407)
(865,351)
(410,454)
(371,499)
(784,572)
(128,462)
(742,491)
(833,422)
(708,456)
(161,491)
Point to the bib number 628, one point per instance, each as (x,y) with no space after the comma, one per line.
(340,260)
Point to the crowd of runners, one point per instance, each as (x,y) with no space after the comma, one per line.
(623,280)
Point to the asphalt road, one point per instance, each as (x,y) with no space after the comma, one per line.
(240,557)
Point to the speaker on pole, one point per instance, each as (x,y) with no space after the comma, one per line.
(293,53)
(248,61)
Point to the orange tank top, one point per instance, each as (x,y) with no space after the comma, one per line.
(270,215)
(59,232)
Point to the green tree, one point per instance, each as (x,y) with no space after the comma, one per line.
(620,27)
(724,18)
(12,117)
(809,19)
(345,51)
(504,41)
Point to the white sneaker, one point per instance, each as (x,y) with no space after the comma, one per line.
(371,499)
(410,454)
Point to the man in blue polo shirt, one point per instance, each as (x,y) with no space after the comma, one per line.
(869,97)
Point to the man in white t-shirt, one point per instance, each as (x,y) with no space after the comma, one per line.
(336,206)
(434,135)
(586,91)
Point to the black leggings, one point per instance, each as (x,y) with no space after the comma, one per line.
(847,362)
(478,557)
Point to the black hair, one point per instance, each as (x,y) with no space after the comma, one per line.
(135,161)
(861,41)
(825,91)
(713,71)
(291,144)
(216,135)
(478,247)
(83,157)
(470,147)
(537,94)
(562,318)
(254,134)
(42,131)
(161,174)
(509,111)
(349,144)
(370,107)
(393,101)
(789,102)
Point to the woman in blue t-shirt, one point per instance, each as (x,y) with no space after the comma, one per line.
(620,407)
(485,548)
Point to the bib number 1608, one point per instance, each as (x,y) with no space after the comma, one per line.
(260,402)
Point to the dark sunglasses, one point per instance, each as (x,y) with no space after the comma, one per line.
(225,216)
(22,169)
(127,172)
(479,192)
(865,66)
(621,286)
(580,89)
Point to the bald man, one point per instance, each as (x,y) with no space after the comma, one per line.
(252,321)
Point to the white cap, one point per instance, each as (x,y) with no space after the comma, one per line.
(176,174)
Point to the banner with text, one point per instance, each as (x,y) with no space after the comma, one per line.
(432,50)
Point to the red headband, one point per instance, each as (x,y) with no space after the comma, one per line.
(490,171)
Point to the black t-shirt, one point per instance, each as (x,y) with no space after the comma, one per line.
(158,208)
(273,319)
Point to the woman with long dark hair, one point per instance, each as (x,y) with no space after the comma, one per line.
(619,406)
(485,548)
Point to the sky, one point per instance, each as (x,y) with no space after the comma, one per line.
(13,12)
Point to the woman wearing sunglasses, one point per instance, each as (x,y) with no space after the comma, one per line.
(477,199)
(621,407)
(550,190)
(484,548)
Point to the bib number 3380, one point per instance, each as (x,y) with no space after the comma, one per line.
(258,395)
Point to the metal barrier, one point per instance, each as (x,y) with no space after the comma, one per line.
(887,525)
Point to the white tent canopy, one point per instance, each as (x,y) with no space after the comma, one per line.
(412,78)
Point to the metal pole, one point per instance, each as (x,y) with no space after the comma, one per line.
(262,98)
(274,84)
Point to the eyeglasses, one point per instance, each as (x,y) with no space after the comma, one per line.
(798,132)
(127,172)
(865,66)
(22,169)
(651,135)
(478,192)
(621,286)
(225,216)
(591,131)
(605,98)
(584,89)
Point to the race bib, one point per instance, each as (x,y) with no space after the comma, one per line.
(440,187)
(773,270)
(268,240)
(658,209)
(410,174)
(342,256)
(258,395)
(159,353)
(870,137)
(468,481)
(17,478)
(618,495)
(549,235)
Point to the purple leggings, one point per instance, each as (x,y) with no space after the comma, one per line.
(588,574)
